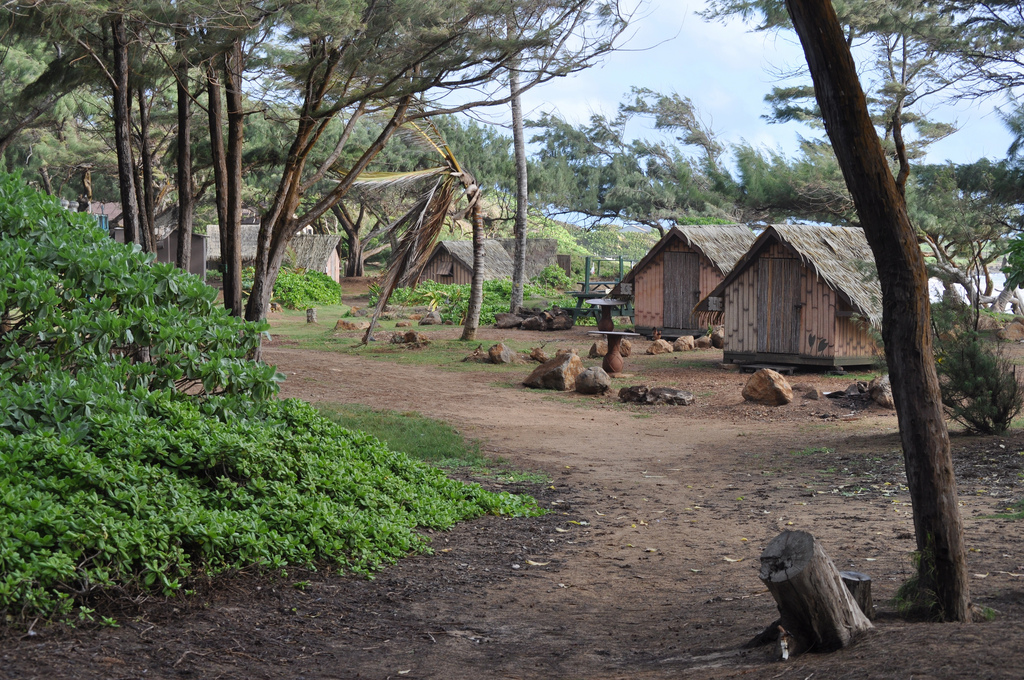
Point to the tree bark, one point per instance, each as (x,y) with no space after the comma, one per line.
(519,148)
(220,178)
(146,191)
(184,255)
(476,288)
(815,606)
(123,134)
(231,246)
(906,313)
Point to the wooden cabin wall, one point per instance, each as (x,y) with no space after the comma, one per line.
(817,316)
(853,334)
(440,262)
(740,302)
(648,285)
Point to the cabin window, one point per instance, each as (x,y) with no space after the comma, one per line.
(446,269)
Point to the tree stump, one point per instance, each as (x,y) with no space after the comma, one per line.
(859,586)
(311,315)
(815,608)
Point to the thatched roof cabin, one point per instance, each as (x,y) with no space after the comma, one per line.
(680,269)
(452,262)
(802,294)
(307,251)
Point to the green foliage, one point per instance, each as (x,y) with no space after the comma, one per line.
(497,294)
(979,385)
(139,446)
(553,277)
(299,288)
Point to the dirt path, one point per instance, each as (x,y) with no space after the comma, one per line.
(645,568)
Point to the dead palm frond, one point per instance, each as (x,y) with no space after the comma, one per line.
(423,222)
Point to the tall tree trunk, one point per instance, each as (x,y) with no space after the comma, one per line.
(220,177)
(184,255)
(519,146)
(476,288)
(123,133)
(906,312)
(231,246)
(354,259)
(147,191)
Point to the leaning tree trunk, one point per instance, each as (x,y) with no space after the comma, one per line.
(476,288)
(220,179)
(123,133)
(184,255)
(519,146)
(906,328)
(231,247)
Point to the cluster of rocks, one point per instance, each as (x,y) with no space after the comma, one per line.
(501,353)
(565,372)
(771,388)
(411,339)
(600,348)
(688,343)
(554,319)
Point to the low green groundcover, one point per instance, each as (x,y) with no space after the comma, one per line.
(141,446)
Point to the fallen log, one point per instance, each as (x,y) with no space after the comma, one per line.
(816,609)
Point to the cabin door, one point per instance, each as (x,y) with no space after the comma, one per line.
(778,305)
(682,289)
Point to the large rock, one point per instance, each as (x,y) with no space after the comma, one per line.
(506,320)
(718,338)
(598,349)
(433,318)
(539,355)
(1013,332)
(660,346)
(625,347)
(988,323)
(880,390)
(641,394)
(500,354)
(683,344)
(703,342)
(344,325)
(559,373)
(561,322)
(535,323)
(808,391)
(768,387)
(594,380)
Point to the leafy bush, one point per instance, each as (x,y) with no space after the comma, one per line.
(497,294)
(299,288)
(139,445)
(553,277)
(979,385)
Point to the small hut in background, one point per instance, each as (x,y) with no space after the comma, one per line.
(540,253)
(802,295)
(318,252)
(452,262)
(681,268)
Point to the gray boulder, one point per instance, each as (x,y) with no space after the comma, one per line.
(594,380)
(432,318)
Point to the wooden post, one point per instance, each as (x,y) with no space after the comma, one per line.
(859,586)
(815,608)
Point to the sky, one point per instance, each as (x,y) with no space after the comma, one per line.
(726,70)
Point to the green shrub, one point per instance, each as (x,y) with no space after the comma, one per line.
(140,446)
(553,277)
(979,385)
(299,288)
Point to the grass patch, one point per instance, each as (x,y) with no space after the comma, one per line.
(428,440)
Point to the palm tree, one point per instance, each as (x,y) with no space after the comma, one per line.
(423,222)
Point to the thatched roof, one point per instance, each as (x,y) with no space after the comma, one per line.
(841,256)
(311,251)
(497,263)
(722,244)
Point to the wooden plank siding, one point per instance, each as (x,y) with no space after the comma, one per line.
(444,262)
(828,332)
(649,286)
